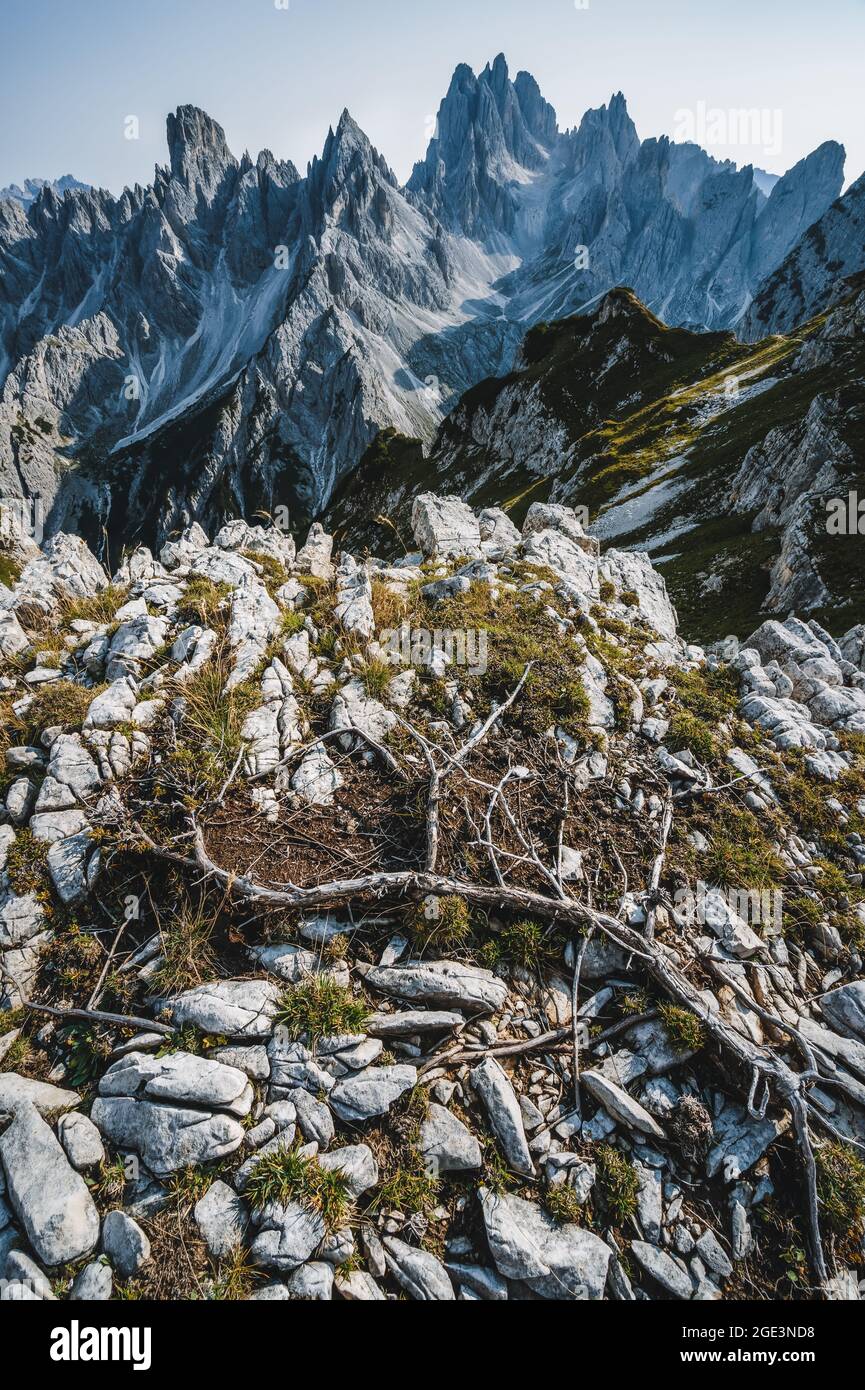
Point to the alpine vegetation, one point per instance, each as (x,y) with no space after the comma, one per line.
(377,976)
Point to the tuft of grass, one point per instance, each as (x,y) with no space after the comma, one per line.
(202,602)
(27,866)
(319,1007)
(60,704)
(617,1183)
(375,677)
(213,723)
(684,1029)
(189,957)
(443,923)
(519,632)
(189,1185)
(409,1189)
(690,731)
(20,1057)
(110,1185)
(388,608)
(636,1002)
(740,853)
(96,608)
(285,1175)
(711,695)
(563,1205)
(236,1277)
(524,943)
(841,1187)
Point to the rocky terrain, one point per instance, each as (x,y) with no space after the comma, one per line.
(443,929)
(235,335)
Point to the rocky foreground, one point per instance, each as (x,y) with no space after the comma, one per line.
(444,930)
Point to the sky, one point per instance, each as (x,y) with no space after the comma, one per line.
(277,73)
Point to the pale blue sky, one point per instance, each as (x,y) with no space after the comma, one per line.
(71,71)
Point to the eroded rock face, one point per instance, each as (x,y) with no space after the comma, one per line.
(844,1008)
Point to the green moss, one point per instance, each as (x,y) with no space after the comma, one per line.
(688,731)
(740,854)
(10,570)
(636,1002)
(709,695)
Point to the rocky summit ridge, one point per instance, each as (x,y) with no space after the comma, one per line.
(450,928)
(235,335)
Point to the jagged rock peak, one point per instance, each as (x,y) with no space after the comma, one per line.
(34,187)
(486,126)
(197,146)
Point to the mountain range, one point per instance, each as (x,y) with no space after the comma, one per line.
(236,336)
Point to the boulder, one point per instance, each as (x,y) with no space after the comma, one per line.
(451,984)
(417,1271)
(446,1144)
(241,1009)
(556,1261)
(444,527)
(371,1092)
(493,1086)
(51,1201)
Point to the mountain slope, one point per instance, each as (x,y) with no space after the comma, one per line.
(717,457)
(811,276)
